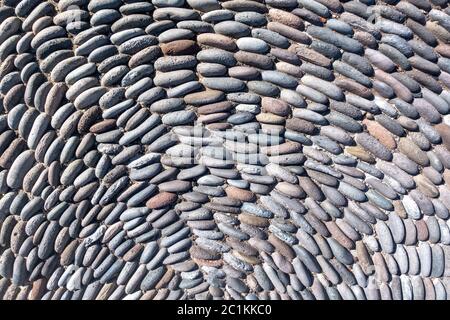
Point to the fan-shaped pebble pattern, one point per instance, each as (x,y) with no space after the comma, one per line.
(243,149)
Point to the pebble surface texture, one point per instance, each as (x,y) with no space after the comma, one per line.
(205,149)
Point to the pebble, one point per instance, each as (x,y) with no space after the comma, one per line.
(161,200)
(232,29)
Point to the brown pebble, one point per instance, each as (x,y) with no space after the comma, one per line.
(300,125)
(254,59)
(240,194)
(208,263)
(275,106)
(134,252)
(443,49)
(364,257)
(106,291)
(426,186)
(161,200)
(413,152)
(284,148)
(353,87)
(10,154)
(366,39)
(223,106)
(68,255)
(200,253)
(165,279)
(399,209)
(380,133)
(270,118)
(246,258)
(38,289)
(446,176)
(282,263)
(360,153)
(444,131)
(339,236)
(89,117)
(242,246)
(149,295)
(422,230)
(309,55)
(253,220)
(286,18)
(281,247)
(217,41)
(203,97)
(243,72)
(103,126)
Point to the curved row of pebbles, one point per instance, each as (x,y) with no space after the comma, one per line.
(205,149)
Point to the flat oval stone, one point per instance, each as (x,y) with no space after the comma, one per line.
(252,45)
(232,28)
(161,200)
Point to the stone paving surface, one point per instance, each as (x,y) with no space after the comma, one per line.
(205,149)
